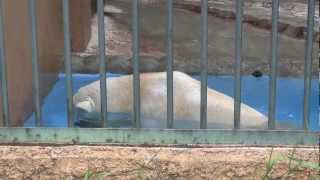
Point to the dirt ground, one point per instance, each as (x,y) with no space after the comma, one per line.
(115,162)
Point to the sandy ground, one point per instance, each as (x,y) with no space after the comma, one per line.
(73,162)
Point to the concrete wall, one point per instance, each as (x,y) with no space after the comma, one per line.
(50,41)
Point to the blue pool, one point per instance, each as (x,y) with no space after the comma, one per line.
(254,93)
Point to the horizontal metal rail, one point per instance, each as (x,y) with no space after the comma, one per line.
(155,136)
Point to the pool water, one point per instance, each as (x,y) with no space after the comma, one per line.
(254,93)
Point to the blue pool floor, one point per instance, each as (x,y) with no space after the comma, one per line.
(254,93)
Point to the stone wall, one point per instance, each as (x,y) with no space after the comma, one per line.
(187,36)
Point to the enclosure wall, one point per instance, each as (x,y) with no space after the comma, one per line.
(50,47)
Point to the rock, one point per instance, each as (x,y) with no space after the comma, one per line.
(257,73)
(109,9)
(256,38)
(116,64)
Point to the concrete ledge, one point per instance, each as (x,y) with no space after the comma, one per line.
(72,162)
(292,20)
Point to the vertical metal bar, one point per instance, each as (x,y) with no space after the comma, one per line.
(136,59)
(308,63)
(102,56)
(204,64)
(67,60)
(3,68)
(35,69)
(169,32)
(273,65)
(238,53)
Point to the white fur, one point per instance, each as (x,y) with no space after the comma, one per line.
(87,105)
(154,99)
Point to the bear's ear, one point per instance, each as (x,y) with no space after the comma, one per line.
(86,105)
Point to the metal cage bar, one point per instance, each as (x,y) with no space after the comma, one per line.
(136,60)
(308,64)
(238,60)
(67,61)
(204,63)
(273,65)
(35,68)
(159,136)
(102,56)
(3,67)
(169,49)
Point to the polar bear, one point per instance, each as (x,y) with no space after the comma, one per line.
(186,93)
